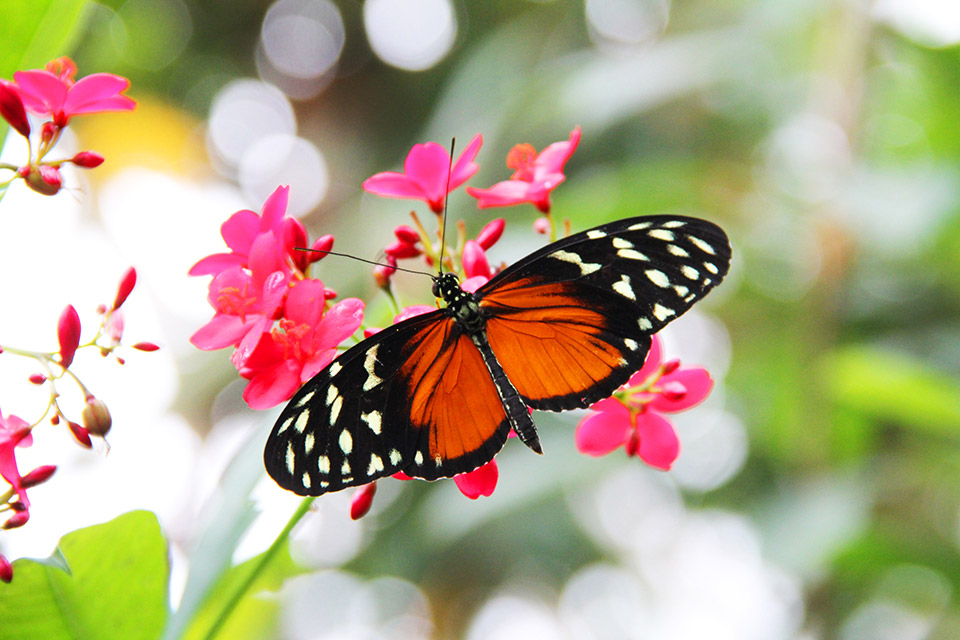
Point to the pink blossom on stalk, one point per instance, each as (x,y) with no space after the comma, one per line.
(53,92)
(11,108)
(68,333)
(244,305)
(535,175)
(14,432)
(362,500)
(427,174)
(44,179)
(305,341)
(490,233)
(632,417)
(87,159)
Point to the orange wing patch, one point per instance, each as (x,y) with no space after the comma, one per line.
(452,396)
(550,345)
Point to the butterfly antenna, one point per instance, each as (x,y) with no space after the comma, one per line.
(373,262)
(446,196)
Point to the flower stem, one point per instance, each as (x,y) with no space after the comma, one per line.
(257,569)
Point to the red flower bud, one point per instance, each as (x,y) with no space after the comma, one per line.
(674,391)
(16,520)
(295,235)
(44,179)
(362,500)
(38,476)
(80,434)
(47,131)
(329,294)
(145,346)
(6,569)
(55,419)
(87,159)
(68,333)
(96,417)
(127,282)
(669,366)
(382,273)
(11,108)
(407,234)
(541,226)
(633,443)
(320,247)
(400,250)
(491,233)
(38,378)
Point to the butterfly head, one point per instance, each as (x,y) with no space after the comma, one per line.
(447,286)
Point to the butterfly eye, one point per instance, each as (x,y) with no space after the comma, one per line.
(436,288)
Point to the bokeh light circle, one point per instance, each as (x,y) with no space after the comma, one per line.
(410,34)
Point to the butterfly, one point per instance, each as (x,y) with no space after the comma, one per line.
(437,395)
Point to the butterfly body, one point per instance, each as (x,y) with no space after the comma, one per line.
(437,394)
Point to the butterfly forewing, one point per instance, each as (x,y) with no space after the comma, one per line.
(571,322)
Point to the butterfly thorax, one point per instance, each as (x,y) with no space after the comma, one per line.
(461,305)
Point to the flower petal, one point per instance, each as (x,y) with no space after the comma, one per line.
(240,230)
(465,167)
(697,382)
(305,301)
(412,311)
(273,211)
(272,385)
(391,184)
(217,263)
(472,284)
(475,260)
(650,364)
(502,194)
(42,92)
(659,445)
(600,433)
(338,324)
(98,92)
(222,331)
(479,482)
(555,156)
(427,166)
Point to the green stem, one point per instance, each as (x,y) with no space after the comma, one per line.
(256,570)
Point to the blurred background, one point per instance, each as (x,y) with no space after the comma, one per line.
(817,494)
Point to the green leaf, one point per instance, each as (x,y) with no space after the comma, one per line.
(33,32)
(895,388)
(116,586)
(255,616)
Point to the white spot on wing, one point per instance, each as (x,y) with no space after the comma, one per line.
(306,480)
(373,421)
(596,234)
(645,323)
(376,464)
(438,460)
(323,465)
(673,224)
(689,272)
(661,234)
(639,226)
(395,457)
(306,398)
(631,344)
(345,469)
(418,458)
(678,251)
(630,254)
(335,410)
(308,443)
(681,290)
(346,442)
(658,278)
(369,364)
(332,394)
(586,268)
(700,244)
(286,424)
(335,369)
(712,268)
(622,243)
(302,418)
(623,287)
(291,459)
(661,312)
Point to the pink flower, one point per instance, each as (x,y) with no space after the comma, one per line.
(480,482)
(244,305)
(242,230)
(534,177)
(305,341)
(53,92)
(68,333)
(14,432)
(427,172)
(632,417)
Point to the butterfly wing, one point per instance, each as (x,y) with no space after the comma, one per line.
(571,322)
(415,397)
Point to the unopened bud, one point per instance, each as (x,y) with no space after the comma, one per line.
(406,233)
(68,333)
(491,233)
(127,282)
(11,108)
(45,179)
(16,520)
(38,378)
(542,226)
(383,273)
(320,247)
(38,476)
(145,346)
(669,366)
(362,500)
(80,434)
(674,391)
(400,249)
(632,445)
(6,569)
(87,159)
(47,131)
(96,417)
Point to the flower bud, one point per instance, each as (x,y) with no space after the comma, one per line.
(87,159)
(6,569)
(145,346)
(47,131)
(320,247)
(44,179)
(16,520)
(674,391)
(491,233)
(38,378)
(407,234)
(127,282)
(38,476)
(68,333)
(542,226)
(475,260)
(295,235)
(11,108)
(632,445)
(401,250)
(362,500)
(383,273)
(329,294)
(669,366)
(80,434)
(96,418)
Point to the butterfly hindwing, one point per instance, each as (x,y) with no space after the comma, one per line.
(571,322)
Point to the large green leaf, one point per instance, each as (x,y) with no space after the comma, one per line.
(35,31)
(105,582)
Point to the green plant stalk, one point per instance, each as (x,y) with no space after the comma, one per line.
(255,571)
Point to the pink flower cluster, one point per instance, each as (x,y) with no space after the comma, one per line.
(283,325)
(52,94)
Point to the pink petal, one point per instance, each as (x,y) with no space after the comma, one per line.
(465,167)
(272,385)
(600,433)
(427,166)
(216,263)
(266,256)
(317,363)
(127,282)
(697,382)
(338,324)
(250,340)
(479,482)
(226,287)
(502,194)
(391,184)
(305,301)
(475,260)
(474,283)
(412,311)
(98,92)
(222,331)
(240,230)
(659,446)
(362,500)
(68,334)
(273,210)
(555,156)
(42,92)
(491,233)
(650,364)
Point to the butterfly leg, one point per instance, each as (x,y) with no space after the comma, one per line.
(517,413)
